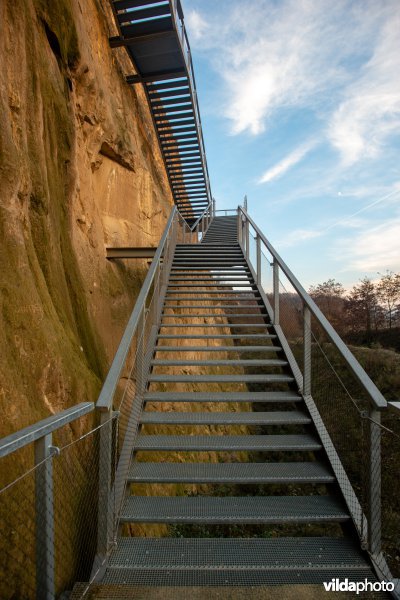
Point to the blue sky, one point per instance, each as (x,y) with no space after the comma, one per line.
(300,104)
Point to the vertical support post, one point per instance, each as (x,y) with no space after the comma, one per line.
(258,270)
(239,225)
(275,267)
(141,351)
(105,522)
(374,521)
(247,237)
(213,207)
(307,351)
(45,565)
(245,203)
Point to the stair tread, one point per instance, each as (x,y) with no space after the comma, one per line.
(237,553)
(222,397)
(184,349)
(234,336)
(258,509)
(265,378)
(282,472)
(227,442)
(233,361)
(227,418)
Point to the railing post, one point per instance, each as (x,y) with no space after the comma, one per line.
(104,518)
(275,267)
(247,237)
(307,351)
(239,225)
(45,554)
(258,270)
(374,521)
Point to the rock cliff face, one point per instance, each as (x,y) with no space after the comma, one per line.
(80,169)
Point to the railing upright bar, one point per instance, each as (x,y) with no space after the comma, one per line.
(307,351)
(45,552)
(275,268)
(258,270)
(375,500)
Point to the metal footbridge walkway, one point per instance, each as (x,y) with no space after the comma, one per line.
(155,38)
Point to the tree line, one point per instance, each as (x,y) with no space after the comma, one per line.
(369,306)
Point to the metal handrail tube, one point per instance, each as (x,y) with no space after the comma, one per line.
(32,433)
(104,401)
(374,394)
(208,207)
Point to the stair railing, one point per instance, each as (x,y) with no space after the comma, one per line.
(348,412)
(203,222)
(125,384)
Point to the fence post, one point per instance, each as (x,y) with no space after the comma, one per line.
(374,521)
(45,554)
(105,524)
(247,236)
(275,267)
(307,351)
(258,270)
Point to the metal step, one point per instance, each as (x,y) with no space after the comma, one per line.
(215,325)
(222,397)
(242,378)
(233,510)
(185,349)
(225,418)
(211,285)
(220,306)
(217,363)
(234,473)
(238,336)
(232,562)
(220,315)
(228,443)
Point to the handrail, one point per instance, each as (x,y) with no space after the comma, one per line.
(375,395)
(34,432)
(110,384)
(201,216)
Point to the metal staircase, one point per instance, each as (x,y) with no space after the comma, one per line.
(272,480)
(157,45)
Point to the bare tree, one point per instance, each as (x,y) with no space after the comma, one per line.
(362,306)
(329,298)
(388,292)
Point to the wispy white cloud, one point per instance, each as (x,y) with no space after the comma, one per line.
(297,236)
(372,250)
(293,53)
(288,162)
(197,25)
(370,110)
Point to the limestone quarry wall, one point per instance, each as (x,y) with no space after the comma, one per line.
(80,169)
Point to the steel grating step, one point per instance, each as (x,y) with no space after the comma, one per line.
(215,363)
(239,349)
(222,397)
(233,579)
(235,562)
(225,418)
(233,473)
(231,510)
(233,336)
(220,315)
(241,306)
(228,325)
(229,443)
(236,554)
(265,378)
